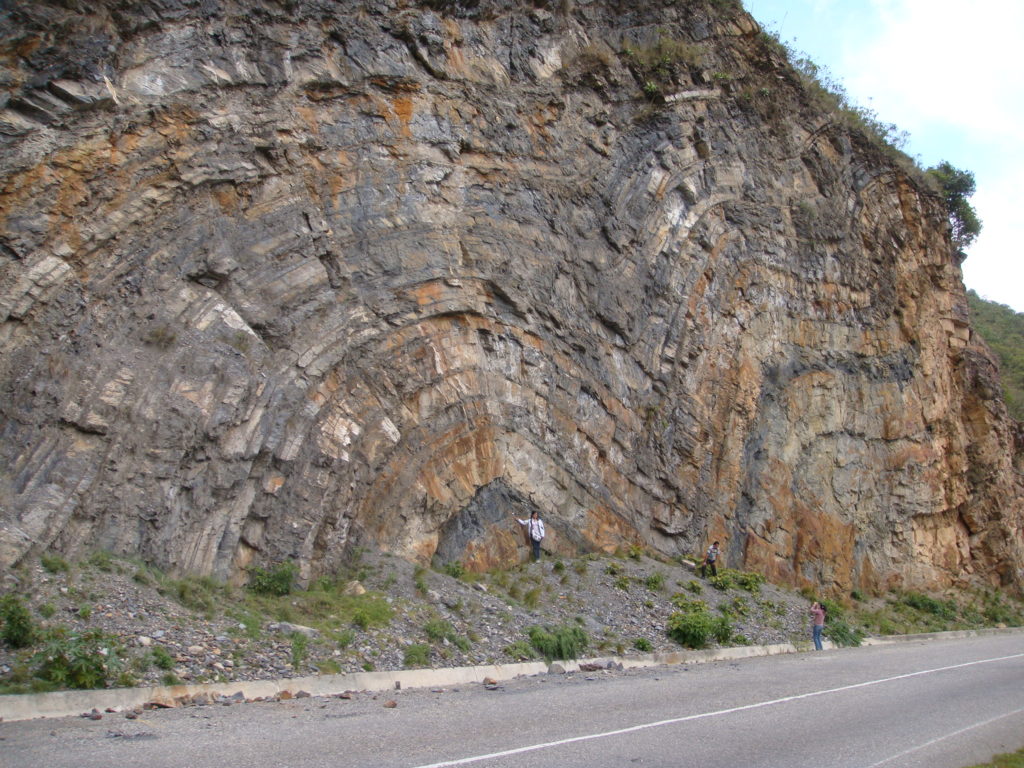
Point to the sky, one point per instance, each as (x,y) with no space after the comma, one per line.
(951,74)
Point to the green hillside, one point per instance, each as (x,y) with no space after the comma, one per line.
(1003,330)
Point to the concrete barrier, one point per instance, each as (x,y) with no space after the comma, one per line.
(67,703)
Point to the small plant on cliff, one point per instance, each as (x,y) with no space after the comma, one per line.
(694,629)
(161,657)
(276,581)
(684,603)
(564,642)
(643,645)
(438,629)
(77,659)
(520,650)
(160,336)
(655,581)
(300,649)
(956,186)
(417,655)
(18,629)
(943,609)
(54,564)
(455,569)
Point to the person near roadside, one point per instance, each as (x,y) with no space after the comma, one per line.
(817,623)
(534,532)
(710,561)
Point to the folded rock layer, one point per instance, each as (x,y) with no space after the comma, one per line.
(281,279)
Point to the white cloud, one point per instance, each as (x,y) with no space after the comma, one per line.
(953,76)
(994,267)
(942,61)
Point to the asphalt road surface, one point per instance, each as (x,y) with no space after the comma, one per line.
(940,704)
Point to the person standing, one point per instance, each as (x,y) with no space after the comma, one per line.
(817,623)
(534,532)
(710,560)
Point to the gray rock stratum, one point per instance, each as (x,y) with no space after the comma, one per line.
(278,279)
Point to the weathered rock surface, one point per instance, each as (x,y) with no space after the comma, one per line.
(279,279)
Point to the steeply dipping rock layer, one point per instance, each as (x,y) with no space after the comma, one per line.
(283,278)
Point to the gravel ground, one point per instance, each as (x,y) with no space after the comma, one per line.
(622,603)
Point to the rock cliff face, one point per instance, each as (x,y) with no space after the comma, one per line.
(278,279)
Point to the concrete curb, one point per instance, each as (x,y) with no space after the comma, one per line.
(67,703)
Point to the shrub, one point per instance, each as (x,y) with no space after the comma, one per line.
(944,609)
(102,560)
(690,629)
(655,582)
(369,611)
(622,582)
(47,610)
(998,612)
(721,629)
(329,667)
(417,655)
(749,581)
(687,604)
(724,581)
(842,634)
(18,629)
(439,629)
(739,606)
(643,645)
(196,593)
(695,587)
(344,639)
(161,657)
(455,569)
(564,642)
(956,186)
(277,581)
(520,650)
(300,649)
(419,579)
(77,660)
(54,564)
(694,626)
(532,597)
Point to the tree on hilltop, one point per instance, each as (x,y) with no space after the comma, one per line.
(956,186)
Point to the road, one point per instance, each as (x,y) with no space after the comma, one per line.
(940,704)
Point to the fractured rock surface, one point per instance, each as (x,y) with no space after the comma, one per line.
(281,279)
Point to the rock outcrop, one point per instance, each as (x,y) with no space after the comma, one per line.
(282,278)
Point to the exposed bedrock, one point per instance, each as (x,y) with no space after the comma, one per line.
(277,280)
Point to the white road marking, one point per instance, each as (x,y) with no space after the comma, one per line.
(906,752)
(688,718)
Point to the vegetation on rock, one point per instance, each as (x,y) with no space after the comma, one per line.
(956,186)
(146,628)
(1003,330)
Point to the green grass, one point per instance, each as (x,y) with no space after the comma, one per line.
(564,642)
(54,564)
(417,655)
(1006,760)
